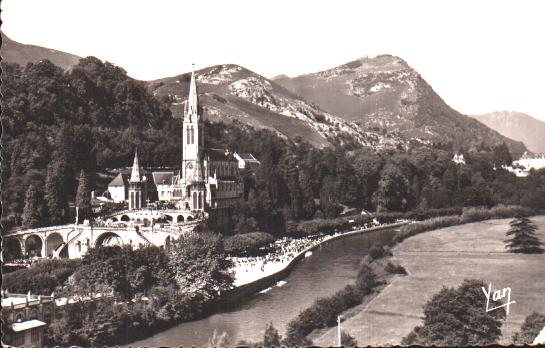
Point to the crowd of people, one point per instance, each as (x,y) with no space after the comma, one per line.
(283,251)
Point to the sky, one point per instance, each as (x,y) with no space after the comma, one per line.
(479,56)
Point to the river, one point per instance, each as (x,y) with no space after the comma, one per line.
(328,269)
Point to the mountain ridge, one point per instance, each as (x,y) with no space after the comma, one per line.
(15,52)
(385,92)
(380,102)
(517,126)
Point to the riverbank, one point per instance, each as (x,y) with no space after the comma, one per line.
(282,269)
(252,269)
(329,269)
(445,257)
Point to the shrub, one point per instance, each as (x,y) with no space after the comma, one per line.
(347,340)
(376,251)
(455,317)
(395,269)
(529,330)
(473,214)
(247,243)
(41,278)
(324,311)
(426,225)
(271,337)
(366,280)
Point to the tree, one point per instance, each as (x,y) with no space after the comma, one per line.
(329,202)
(456,317)
(347,340)
(502,155)
(524,239)
(271,338)
(529,330)
(83,195)
(307,194)
(57,205)
(294,337)
(199,265)
(393,189)
(219,340)
(33,213)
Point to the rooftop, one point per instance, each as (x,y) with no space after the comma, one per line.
(27,325)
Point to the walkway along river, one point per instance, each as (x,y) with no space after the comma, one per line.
(327,270)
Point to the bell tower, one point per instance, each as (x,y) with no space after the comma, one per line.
(137,184)
(193,146)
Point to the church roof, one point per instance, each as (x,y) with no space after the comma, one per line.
(219,155)
(135,173)
(120,180)
(192,99)
(160,178)
(247,157)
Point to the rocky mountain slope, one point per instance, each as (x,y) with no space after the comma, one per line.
(385,94)
(231,92)
(517,126)
(15,52)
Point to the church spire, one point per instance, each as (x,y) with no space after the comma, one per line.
(135,174)
(192,99)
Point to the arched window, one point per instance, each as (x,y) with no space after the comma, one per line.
(192,135)
(200,200)
(187,135)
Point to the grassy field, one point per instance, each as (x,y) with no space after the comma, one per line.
(446,257)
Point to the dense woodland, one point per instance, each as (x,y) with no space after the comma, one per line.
(64,128)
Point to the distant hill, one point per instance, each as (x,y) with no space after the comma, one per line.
(15,52)
(385,93)
(231,92)
(517,126)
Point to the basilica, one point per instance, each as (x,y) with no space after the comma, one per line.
(207,178)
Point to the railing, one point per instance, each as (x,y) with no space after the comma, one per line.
(40,229)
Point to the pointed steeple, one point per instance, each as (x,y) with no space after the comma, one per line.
(135,174)
(192,99)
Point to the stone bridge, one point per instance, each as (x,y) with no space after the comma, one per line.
(73,241)
(146,216)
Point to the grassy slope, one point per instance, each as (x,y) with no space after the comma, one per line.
(15,52)
(444,258)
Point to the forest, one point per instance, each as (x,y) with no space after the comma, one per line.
(64,127)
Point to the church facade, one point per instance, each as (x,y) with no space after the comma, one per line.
(207,178)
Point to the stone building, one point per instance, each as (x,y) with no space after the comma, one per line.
(207,178)
(24,317)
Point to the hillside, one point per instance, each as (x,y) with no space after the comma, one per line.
(15,52)
(385,93)
(517,126)
(231,92)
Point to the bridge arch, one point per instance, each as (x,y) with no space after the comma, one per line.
(108,239)
(190,218)
(125,218)
(180,218)
(33,245)
(54,240)
(168,218)
(11,249)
